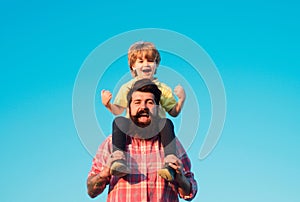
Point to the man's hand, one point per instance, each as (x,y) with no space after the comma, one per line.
(117,155)
(174,163)
(179,92)
(106,97)
(96,184)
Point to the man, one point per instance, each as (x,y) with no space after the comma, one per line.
(145,157)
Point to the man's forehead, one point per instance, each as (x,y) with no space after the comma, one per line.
(137,95)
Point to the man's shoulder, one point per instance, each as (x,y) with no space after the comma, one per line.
(107,140)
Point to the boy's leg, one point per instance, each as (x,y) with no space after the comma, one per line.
(120,128)
(168,141)
(168,137)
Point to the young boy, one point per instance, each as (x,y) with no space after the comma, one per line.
(143,59)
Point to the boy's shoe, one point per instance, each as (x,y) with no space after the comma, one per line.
(167,173)
(119,168)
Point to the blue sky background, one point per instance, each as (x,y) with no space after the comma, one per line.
(254,44)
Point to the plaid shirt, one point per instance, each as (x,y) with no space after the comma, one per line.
(144,158)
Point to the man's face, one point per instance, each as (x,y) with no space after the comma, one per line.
(142,108)
(145,68)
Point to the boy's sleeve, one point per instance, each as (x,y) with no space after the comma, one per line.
(121,97)
(167,99)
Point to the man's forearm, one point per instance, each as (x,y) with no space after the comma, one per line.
(184,185)
(96,185)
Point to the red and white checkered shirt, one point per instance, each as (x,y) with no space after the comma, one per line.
(144,158)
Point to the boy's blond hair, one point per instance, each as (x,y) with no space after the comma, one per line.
(140,49)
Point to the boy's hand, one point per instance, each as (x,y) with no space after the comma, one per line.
(179,92)
(106,97)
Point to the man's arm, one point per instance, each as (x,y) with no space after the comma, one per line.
(100,175)
(187,185)
(184,186)
(97,183)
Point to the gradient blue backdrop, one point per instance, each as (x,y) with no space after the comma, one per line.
(255,46)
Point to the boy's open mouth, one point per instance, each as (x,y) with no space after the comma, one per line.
(146,70)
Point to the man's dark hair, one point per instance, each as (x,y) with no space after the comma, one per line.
(144,85)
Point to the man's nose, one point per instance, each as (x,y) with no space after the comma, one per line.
(143,105)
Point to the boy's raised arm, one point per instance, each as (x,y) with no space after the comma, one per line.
(180,93)
(113,108)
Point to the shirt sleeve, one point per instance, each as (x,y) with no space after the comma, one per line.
(121,97)
(100,159)
(167,99)
(187,172)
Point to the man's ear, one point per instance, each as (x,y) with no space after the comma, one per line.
(133,73)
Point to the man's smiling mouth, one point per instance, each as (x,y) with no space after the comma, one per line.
(143,115)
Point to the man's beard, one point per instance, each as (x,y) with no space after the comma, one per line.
(144,130)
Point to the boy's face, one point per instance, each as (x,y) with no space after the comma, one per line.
(144,67)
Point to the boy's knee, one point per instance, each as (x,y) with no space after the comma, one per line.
(166,123)
(169,122)
(121,123)
(120,120)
